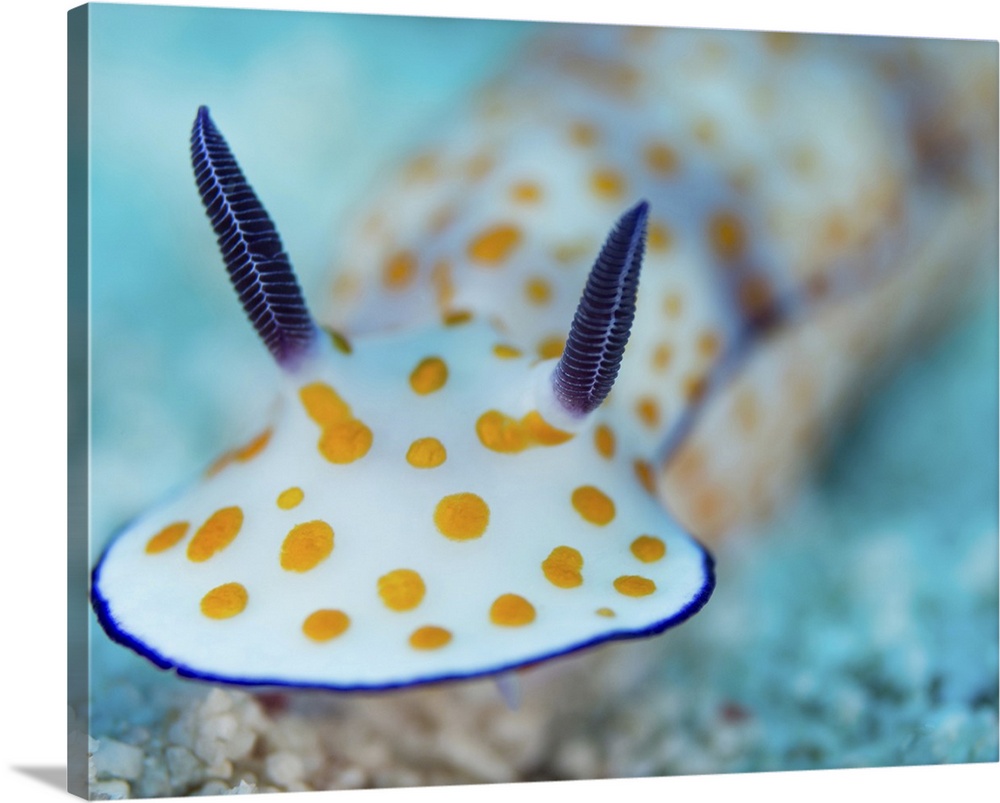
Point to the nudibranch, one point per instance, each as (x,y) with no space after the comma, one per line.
(425,504)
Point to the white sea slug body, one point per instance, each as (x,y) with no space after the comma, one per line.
(450,487)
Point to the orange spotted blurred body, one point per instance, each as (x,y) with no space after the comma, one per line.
(817,203)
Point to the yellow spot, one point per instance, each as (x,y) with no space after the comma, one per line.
(479,165)
(713,53)
(253,448)
(526,192)
(456,317)
(644,473)
(672,305)
(593,504)
(537,290)
(836,229)
(429,637)
(345,442)
(727,235)
(705,131)
(338,341)
(426,453)
(306,546)
(660,237)
(444,287)
(641,37)
(462,516)
(562,567)
(495,244)
(512,610)
(430,374)
(224,601)
(648,411)
(607,183)
(747,410)
(689,465)
(542,432)
(401,589)
(492,107)
(323,404)
(662,355)
(242,453)
(606,612)
(167,537)
(661,158)
(346,287)
(325,624)
(506,352)
(694,388)
(710,507)
(290,497)
(567,253)
(801,389)
(782,42)
(604,441)
(583,134)
(648,548)
(399,270)
(551,347)
(501,433)
(708,344)
(615,78)
(373,223)
(223,461)
(631,585)
(422,167)
(805,161)
(215,534)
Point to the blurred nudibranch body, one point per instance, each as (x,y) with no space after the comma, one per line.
(497,445)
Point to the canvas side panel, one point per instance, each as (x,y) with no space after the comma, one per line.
(78,435)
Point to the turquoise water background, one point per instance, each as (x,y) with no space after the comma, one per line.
(875,595)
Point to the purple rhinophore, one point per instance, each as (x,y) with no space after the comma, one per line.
(255,260)
(589,364)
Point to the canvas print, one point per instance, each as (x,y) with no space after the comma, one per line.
(482,401)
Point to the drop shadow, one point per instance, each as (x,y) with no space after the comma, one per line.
(54,776)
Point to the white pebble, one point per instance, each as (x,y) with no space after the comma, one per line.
(477,760)
(243,788)
(351,778)
(284,768)
(184,767)
(114,759)
(155,781)
(577,759)
(213,787)
(216,701)
(110,790)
